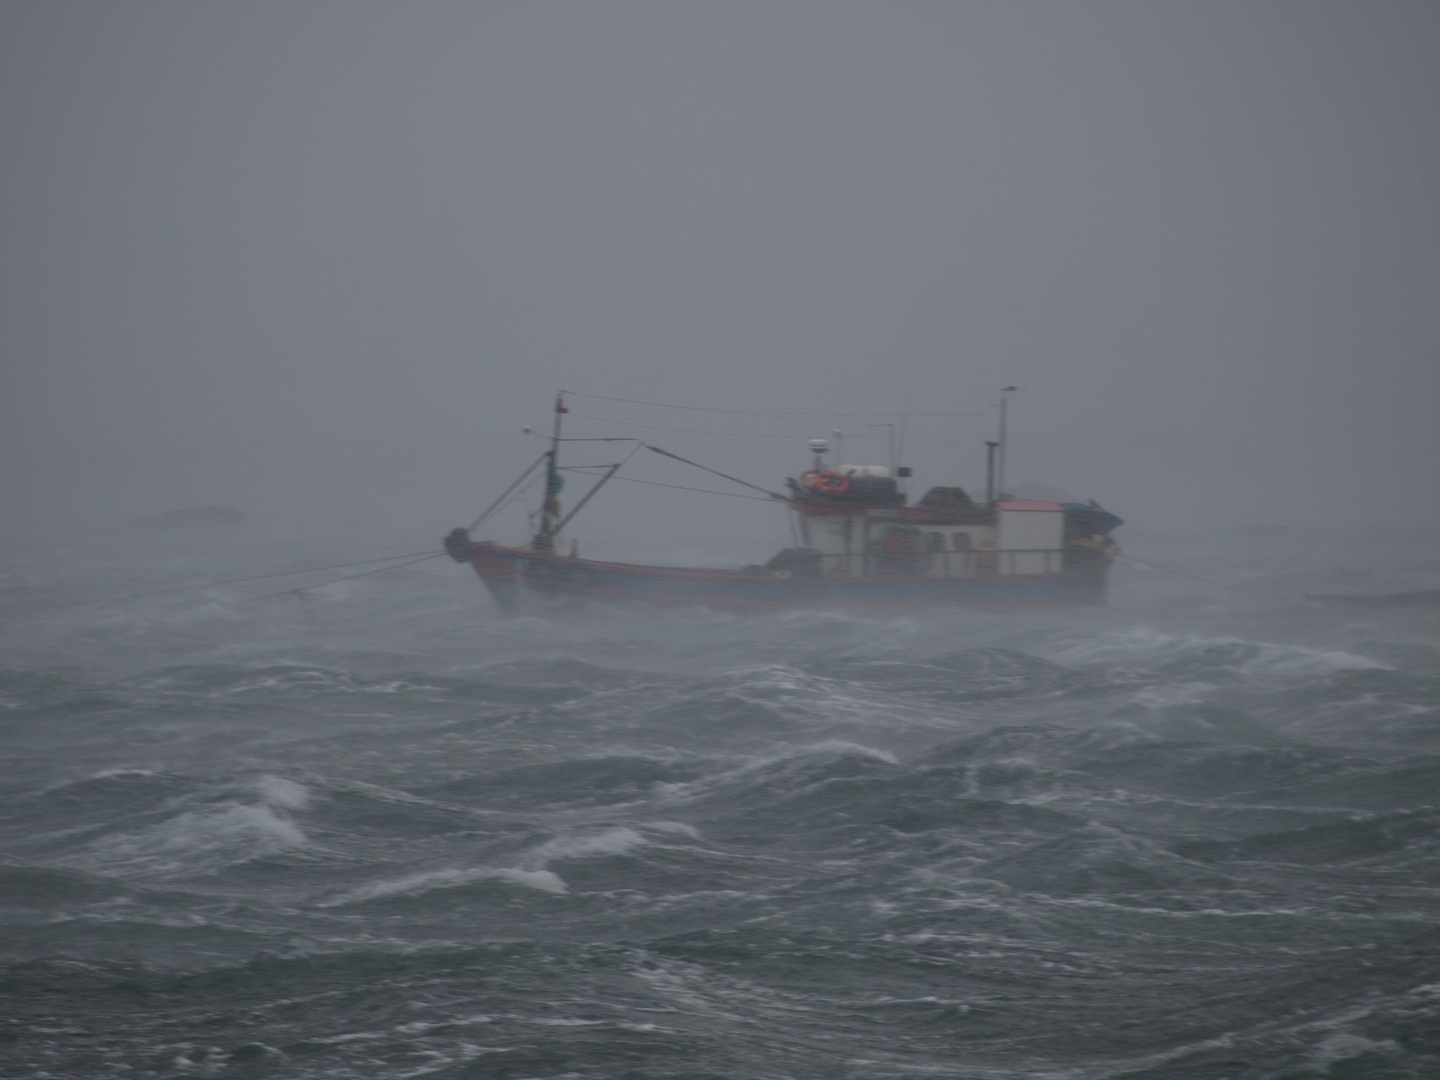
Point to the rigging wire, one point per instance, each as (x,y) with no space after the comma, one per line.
(694,431)
(723,476)
(682,487)
(522,493)
(609,475)
(844,413)
(963,431)
(506,493)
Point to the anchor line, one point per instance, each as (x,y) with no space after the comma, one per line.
(231,581)
(300,592)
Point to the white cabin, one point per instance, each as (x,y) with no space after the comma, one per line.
(1019,539)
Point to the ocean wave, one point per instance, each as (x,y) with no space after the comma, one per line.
(195,841)
(532,872)
(395,833)
(430,880)
(617,841)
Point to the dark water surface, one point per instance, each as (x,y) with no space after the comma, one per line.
(386,832)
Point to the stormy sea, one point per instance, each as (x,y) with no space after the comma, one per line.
(379,829)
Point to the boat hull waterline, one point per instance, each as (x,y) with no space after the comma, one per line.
(515,575)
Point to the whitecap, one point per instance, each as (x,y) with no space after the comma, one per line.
(1143,645)
(416,884)
(1298,660)
(841,746)
(1344,1044)
(618,841)
(544,880)
(675,827)
(1190,693)
(233,831)
(286,794)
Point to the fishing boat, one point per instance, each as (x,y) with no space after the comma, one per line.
(858,544)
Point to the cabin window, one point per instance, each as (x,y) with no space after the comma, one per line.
(961,541)
(935,541)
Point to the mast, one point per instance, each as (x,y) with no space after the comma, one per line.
(1005,392)
(544,540)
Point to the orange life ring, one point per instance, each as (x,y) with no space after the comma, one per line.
(832,483)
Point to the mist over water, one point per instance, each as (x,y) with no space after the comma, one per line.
(313,266)
(321,262)
(385,831)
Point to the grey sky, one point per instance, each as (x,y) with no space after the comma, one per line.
(322,260)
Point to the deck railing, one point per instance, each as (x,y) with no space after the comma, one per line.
(945,564)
